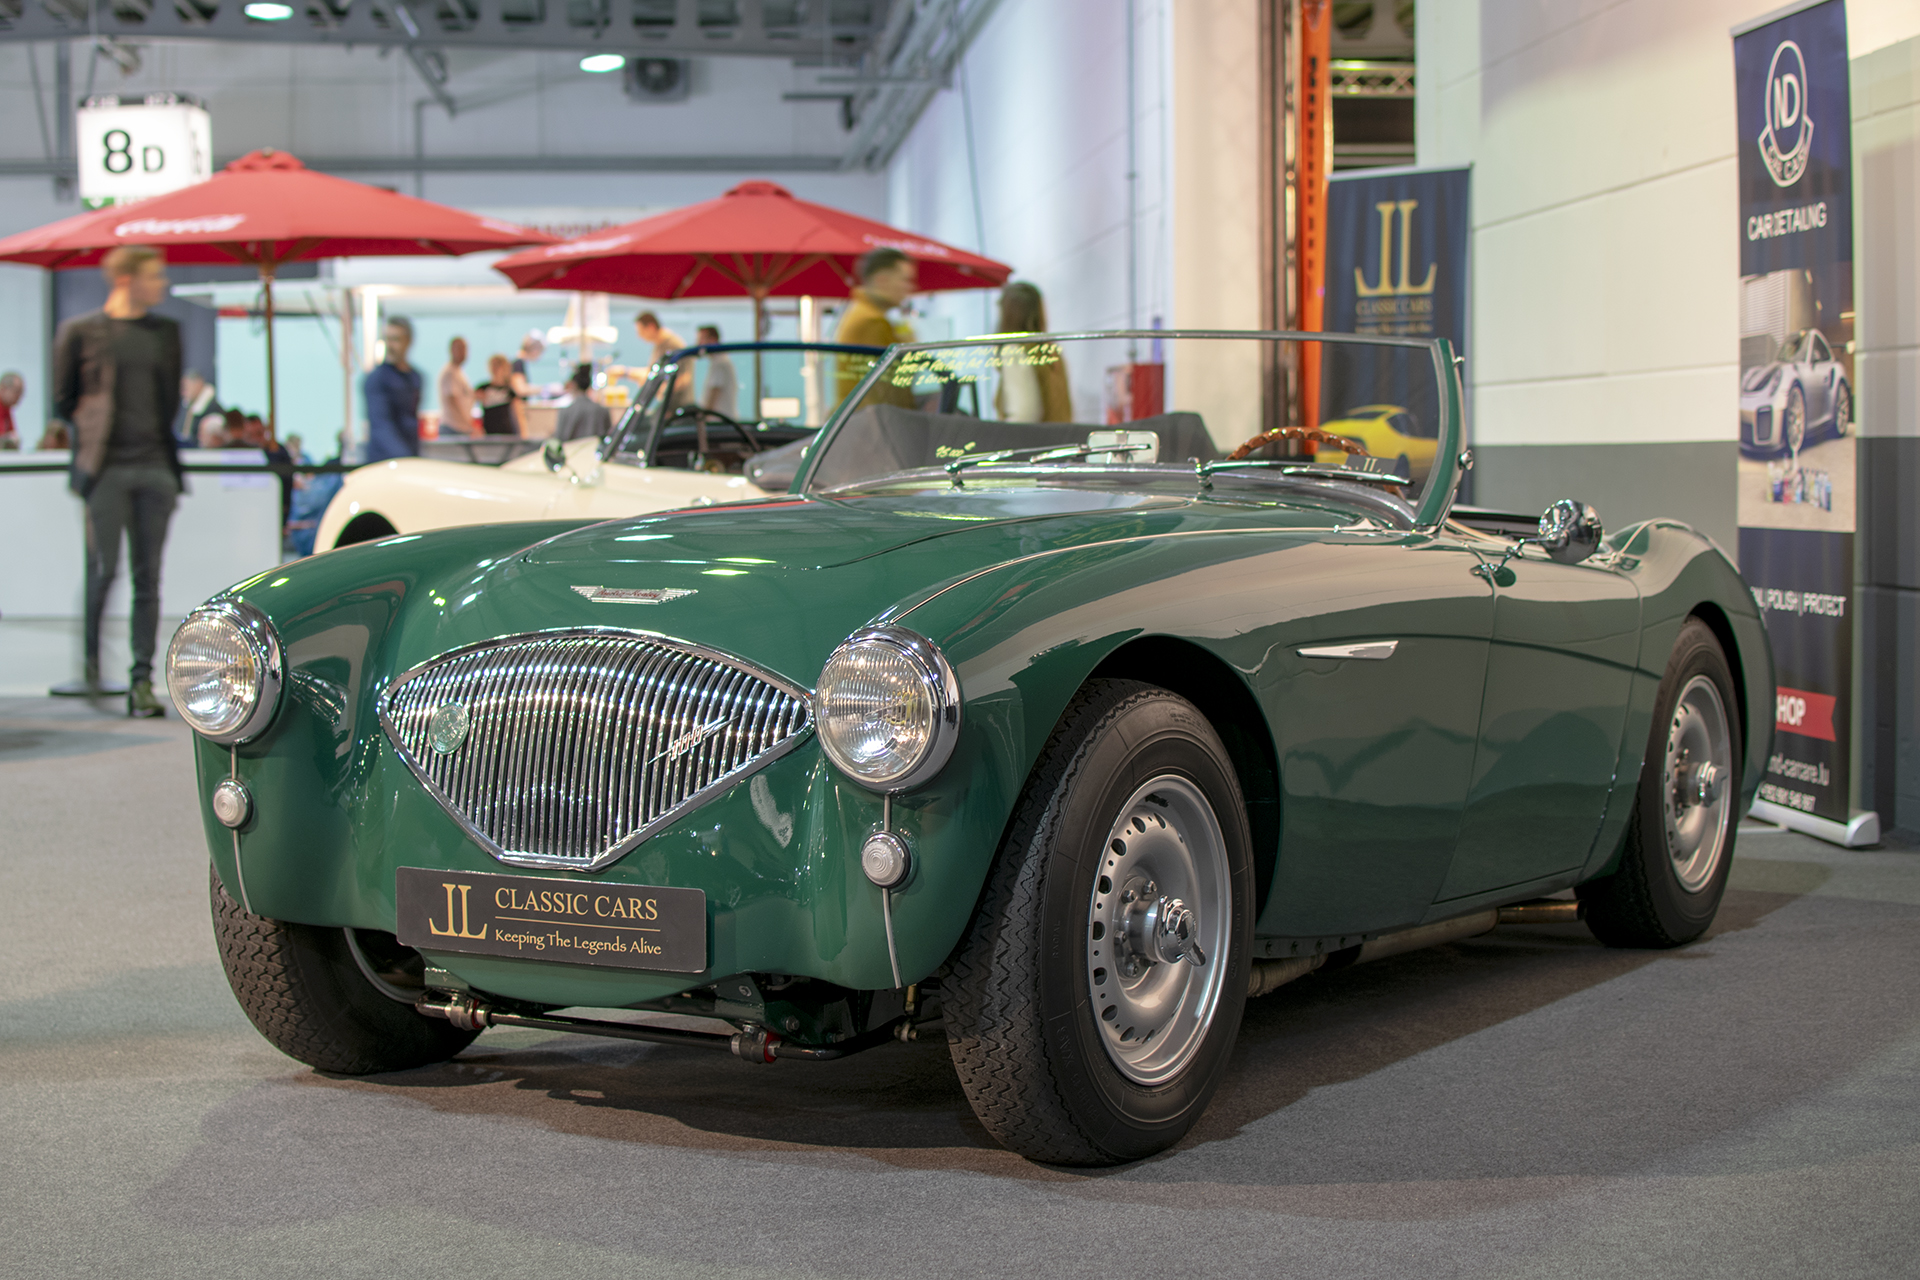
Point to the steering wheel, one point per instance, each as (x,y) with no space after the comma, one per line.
(1312,435)
(705,414)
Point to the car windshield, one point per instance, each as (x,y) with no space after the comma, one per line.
(717,407)
(1084,408)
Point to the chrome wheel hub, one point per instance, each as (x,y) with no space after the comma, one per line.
(1157,930)
(1699,791)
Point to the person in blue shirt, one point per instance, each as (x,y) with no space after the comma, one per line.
(393,398)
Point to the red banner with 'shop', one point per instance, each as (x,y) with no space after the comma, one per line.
(1808,714)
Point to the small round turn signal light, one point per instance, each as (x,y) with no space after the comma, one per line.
(232,803)
(885,859)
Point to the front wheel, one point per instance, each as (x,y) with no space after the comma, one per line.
(305,990)
(1095,1000)
(1679,845)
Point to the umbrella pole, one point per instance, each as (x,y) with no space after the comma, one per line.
(273,408)
(759,319)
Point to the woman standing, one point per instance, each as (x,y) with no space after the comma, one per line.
(1033,375)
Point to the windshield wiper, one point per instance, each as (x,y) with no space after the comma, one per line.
(1038,453)
(1204,471)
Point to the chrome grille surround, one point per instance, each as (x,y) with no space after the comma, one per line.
(581,743)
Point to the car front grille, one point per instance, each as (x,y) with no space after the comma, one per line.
(568,748)
(1763,425)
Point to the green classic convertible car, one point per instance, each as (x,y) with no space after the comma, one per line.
(1063,738)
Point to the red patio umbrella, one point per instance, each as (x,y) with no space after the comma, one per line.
(756,241)
(265,209)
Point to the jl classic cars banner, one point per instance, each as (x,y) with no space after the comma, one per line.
(1397,254)
(1396,266)
(1797,388)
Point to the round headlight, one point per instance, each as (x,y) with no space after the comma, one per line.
(888,708)
(223,670)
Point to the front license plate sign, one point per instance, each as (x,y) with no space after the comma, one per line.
(622,926)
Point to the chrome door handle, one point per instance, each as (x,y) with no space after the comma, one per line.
(1370,650)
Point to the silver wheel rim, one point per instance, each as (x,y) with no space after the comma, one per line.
(1165,866)
(1796,420)
(1842,413)
(1699,783)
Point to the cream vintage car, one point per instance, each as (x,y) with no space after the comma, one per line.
(665,452)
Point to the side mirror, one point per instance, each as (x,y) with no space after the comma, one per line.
(1570,531)
(554,454)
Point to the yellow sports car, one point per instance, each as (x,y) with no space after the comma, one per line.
(1389,431)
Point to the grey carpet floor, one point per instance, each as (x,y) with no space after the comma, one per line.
(1524,1104)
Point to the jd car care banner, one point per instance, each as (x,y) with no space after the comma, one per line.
(1796,388)
(1396,265)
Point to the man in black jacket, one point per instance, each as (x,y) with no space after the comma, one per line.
(117,380)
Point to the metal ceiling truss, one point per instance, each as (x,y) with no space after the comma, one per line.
(811,32)
(912,59)
(884,60)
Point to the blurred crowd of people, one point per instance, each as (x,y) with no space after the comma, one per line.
(202,422)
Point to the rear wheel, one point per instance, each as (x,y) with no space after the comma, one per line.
(1842,411)
(1093,1004)
(304,990)
(1679,845)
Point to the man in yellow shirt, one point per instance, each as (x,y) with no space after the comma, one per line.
(887,280)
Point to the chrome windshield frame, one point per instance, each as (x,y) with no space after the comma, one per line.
(1452,458)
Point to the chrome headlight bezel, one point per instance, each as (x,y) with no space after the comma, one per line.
(938,682)
(263,645)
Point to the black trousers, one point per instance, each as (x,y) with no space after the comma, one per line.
(137,503)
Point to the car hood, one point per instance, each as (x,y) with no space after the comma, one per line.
(1755,378)
(821,533)
(782,581)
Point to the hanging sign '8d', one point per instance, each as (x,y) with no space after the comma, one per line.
(130,149)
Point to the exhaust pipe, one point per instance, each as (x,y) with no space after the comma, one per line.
(1544,911)
(1268,975)
(1427,935)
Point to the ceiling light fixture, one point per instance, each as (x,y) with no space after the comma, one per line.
(602,62)
(268,11)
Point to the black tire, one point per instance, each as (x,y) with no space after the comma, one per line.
(1842,411)
(1020,1014)
(1646,903)
(300,987)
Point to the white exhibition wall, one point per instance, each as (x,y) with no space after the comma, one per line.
(1886,140)
(1602,139)
(1025,158)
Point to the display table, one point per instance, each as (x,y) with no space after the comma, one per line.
(226,528)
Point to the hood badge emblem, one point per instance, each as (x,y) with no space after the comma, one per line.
(448,728)
(690,739)
(633,595)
